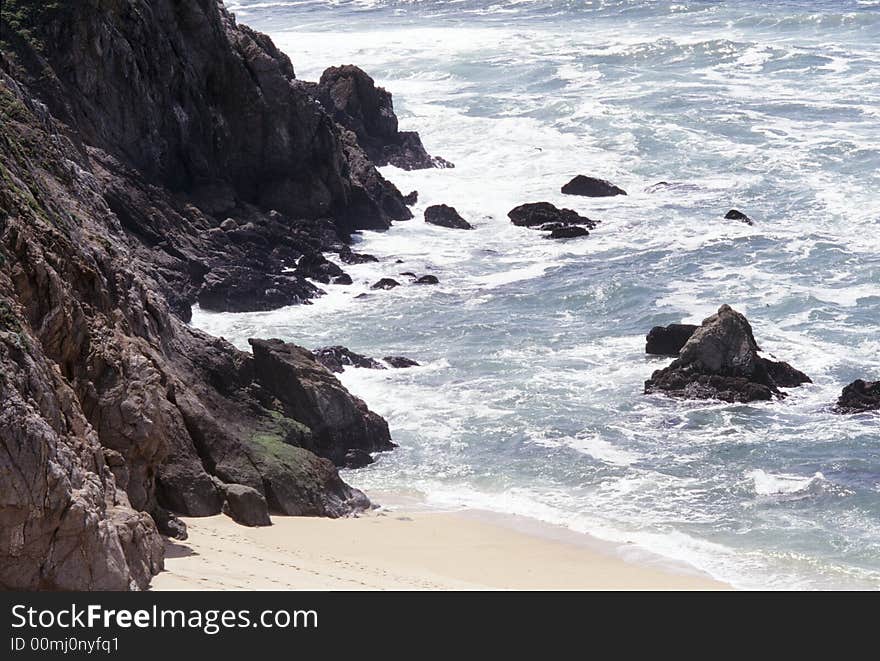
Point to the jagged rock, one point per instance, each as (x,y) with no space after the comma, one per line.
(567,232)
(446,216)
(668,340)
(535,214)
(317,267)
(245,505)
(337,357)
(859,397)
(385,283)
(400,362)
(347,256)
(357,459)
(721,361)
(352,99)
(427,280)
(734,214)
(311,395)
(244,289)
(591,187)
(411,198)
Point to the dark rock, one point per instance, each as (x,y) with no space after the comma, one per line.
(668,340)
(351,97)
(568,232)
(411,198)
(311,395)
(168,524)
(409,274)
(347,256)
(245,505)
(228,225)
(427,280)
(591,187)
(859,397)
(337,357)
(400,362)
(446,216)
(357,459)
(385,283)
(784,375)
(535,214)
(317,267)
(721,361)
(733,214)
(245,289)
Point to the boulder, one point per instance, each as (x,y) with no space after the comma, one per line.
(859,397)
(385,283)
(247,289)
(245,505)
(317,267)
(427,280)
(446,216)
(411,198)
(347,256)
(721,361)
(400,362)
(734,214)
(357,459)
(591,187)
(168,524)
(668,340)
(336,358)
(535,214)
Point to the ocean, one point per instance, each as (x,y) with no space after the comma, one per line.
(530,396)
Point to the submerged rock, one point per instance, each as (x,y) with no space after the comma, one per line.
(400,362)
(535,214)
(446,216)
(246,289)
(720,361)
(357,459)
(568,232)
(317,267)
(859,397)
(411,198)
(385,283)
(591,187)
(348,256)
(427,280)
(668,340)
(336,358)
(734,214)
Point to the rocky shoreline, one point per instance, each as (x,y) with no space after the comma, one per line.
(156,155)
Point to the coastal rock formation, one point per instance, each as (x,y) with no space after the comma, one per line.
(446,216)
(668,340)
(860,396)
(317,267)
(348,256)
(567,232)
(721,361)
(591,187)
(353,100)
(155,154)
(734,214)
(337,358)
(427,280)
(536,214)
(245,505)
(311,395)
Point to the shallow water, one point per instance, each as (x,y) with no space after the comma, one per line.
(530,395)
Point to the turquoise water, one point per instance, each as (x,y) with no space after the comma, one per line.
(530,395)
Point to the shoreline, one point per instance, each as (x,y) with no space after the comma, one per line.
(407,547)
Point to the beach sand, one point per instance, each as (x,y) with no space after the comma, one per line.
(400,549)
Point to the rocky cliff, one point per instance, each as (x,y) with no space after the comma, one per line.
(132,131)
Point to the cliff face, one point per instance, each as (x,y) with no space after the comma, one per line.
(131,132)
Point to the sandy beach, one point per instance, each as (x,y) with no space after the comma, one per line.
(401,549)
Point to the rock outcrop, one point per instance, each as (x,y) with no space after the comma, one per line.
(385,283)
(668,340)
(859,397)
(400,362)
(558,223)
(591,187)
(154,154)
(721,361)
(336,358)
(352,99)
(446,216)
